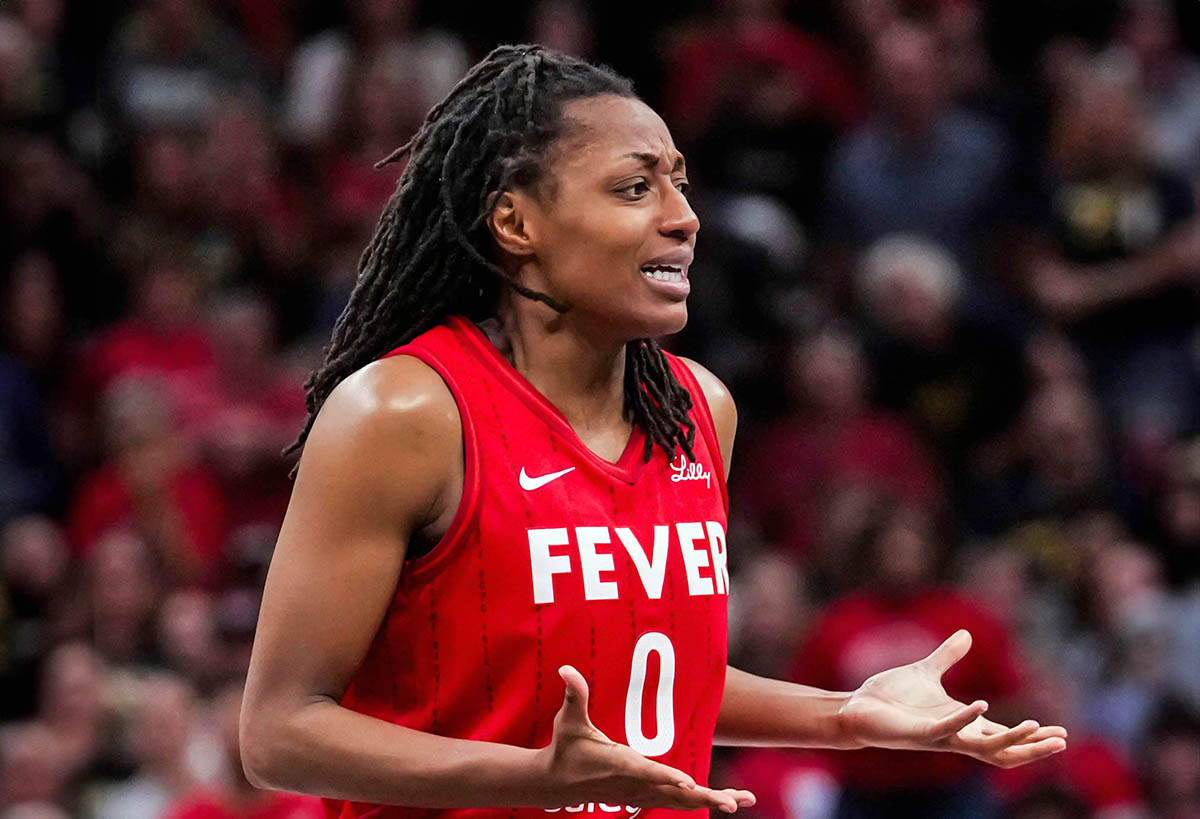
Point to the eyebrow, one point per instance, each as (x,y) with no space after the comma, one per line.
(652,159)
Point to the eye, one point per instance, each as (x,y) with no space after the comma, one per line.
(639,188)
(684,187)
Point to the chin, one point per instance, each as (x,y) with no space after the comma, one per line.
(663,322)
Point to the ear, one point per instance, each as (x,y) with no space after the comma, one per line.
(512,222)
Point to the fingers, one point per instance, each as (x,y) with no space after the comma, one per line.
(948,653)
(1028,752)
(727,800)
(1013,736)
(732,799)
(658,774)
(1009,747)
(956,721)
(1045,732)
(575,698)
(681,790)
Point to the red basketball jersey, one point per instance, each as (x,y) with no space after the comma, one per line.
(556,557)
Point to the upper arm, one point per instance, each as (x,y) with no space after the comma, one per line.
(720,403)
(380,459)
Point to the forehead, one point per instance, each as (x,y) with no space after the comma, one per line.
(604,130)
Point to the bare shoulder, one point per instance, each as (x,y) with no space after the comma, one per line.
(720,403)
(393,421)
(400,394)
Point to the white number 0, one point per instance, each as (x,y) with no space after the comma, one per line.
(664,700)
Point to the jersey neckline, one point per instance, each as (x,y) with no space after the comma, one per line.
(626,467)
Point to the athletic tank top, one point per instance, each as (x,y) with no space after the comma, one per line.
(556,556)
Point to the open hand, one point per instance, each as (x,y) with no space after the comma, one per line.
(906,707)
(581,765)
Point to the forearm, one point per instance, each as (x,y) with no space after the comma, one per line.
(327,750)
(763,712)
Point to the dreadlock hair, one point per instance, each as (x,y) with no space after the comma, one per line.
(432,254)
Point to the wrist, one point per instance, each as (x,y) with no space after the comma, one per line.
(845,733)
(533,777)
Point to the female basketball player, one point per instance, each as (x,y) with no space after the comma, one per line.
(507,488)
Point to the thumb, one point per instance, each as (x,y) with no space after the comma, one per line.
(575,697)
(948,653)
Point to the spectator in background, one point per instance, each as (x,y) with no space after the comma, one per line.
(164,337)
(150,484)
(755,101)
(115,601)
(42,21)
(33,576)
(1062,464)
(1171,767)
(237,798)
(771,607)
(564,25)
(188,643)
(958,379)
(72,707)
(898,612)
(1113,258)
(47,202)
(34,324)
(159,740)
(32,768)
(1093,773)
(1048,803)
(248,197)
(1168,83)
(30,477)
(376,117)
(431,60)
(168,63)
(254,414)
(166,208)
(1176,524)
(18,78)
(1119,657)
(919,164)
(1185,659)
(830,438)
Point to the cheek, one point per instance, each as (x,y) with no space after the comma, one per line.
(598,255)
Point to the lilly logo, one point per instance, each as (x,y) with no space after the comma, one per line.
(594,807)
(685,471)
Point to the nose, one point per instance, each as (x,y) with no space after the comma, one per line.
(678,220)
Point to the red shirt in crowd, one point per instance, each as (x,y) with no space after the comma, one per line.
(183,358)
(1090,767)
(797,461)
(786,783)
(866,633)
(105,502)
(703,61)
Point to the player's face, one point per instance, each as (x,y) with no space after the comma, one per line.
(616,238)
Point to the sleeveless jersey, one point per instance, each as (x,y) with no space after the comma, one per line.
(556,556)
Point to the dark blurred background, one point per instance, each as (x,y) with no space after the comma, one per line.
(949,267)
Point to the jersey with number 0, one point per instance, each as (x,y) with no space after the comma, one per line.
(556,556)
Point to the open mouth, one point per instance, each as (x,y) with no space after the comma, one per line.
(664,272)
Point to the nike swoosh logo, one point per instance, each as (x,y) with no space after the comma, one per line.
(528,483)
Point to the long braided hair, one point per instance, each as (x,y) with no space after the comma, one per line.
(432,253)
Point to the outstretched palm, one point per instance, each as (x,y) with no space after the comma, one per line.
(907,708)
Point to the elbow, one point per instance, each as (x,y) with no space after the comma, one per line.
(259,761)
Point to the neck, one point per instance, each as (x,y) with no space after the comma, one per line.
(581,373)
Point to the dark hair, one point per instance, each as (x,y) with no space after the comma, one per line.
(432,254)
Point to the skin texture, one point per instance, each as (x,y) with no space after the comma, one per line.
(383,465)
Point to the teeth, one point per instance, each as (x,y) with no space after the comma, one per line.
(663,272)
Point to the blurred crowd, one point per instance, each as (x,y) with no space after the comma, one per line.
(949,266)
